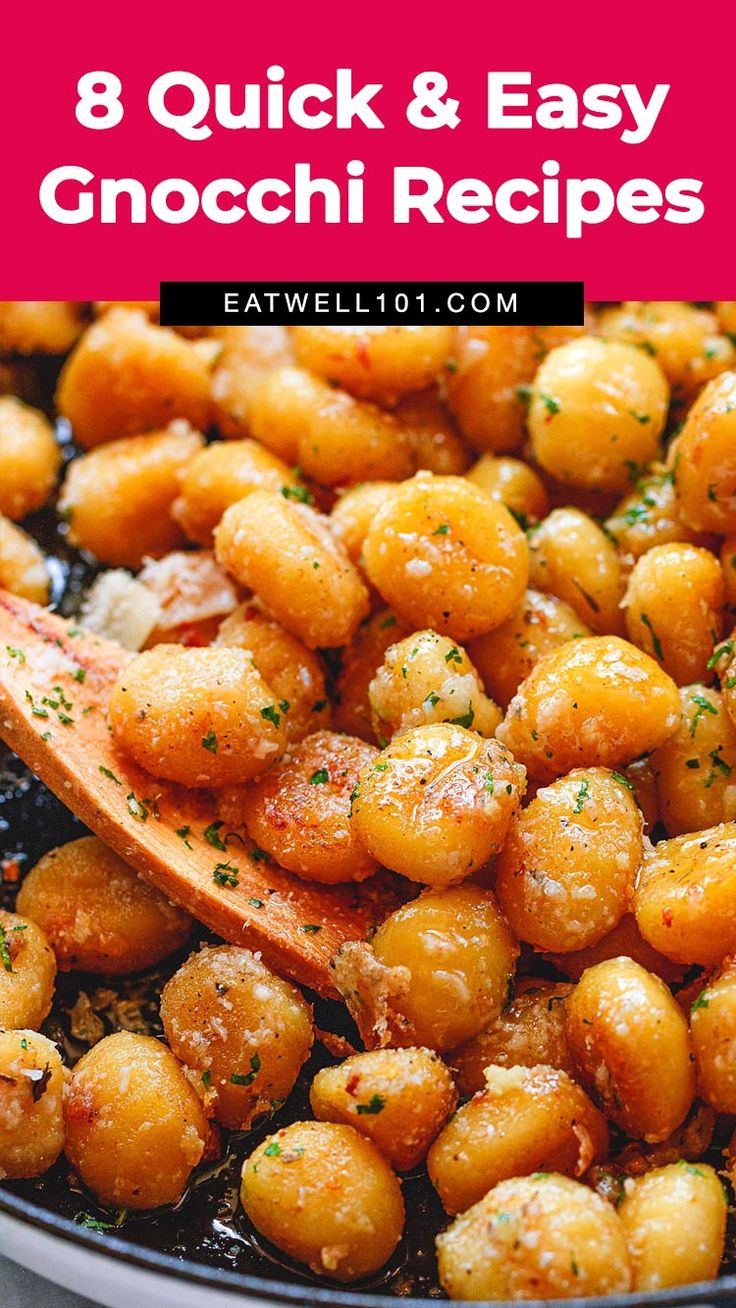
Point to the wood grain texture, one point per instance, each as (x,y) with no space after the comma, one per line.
(55,684)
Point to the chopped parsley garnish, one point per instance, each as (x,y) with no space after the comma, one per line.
(273,1149)
(718,653)
(376,1104)
(258,855)
(442,530)
(550,403)
(92,1223)
(640,417)
(622,780)
(431,700)
(390,621)
(256,903)
(300,493)
(702,1001)
(248,1078)
(16,653)
(466,720)
(270,714)
(80,675)
(320,777)
(184,833)
(110,775)
(582,795)
(656,642)
(213,838)
(210,742)
(226,874)
(310,928)
(319,705)
(488,783)
(136,808)
(453,655)
(704,706)
(206,1079)
(380,767)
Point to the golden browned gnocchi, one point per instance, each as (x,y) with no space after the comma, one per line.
(505,656)
(704,461)
(376,363)
(220,475)
(685,340)
(171,379)
(565,872)
(514,484)
(488,380)
(436,803)
(39,326)
(247,355)
(624,941)
(527,1119)
(97,913)
(427,678)
(202,717)
(299,812)
(623,1028)
(358,666)
(294,673)
(674,608)
(685,895)
(241,1030)
(287,554)
(354,512)
(728,564)
(444,527)
(135,1128)
(595,702)
(571,557)
(31,1116)
(597,409)
(118,499)
(543,1236)
(447,960)
(23,567)
(695,769)
(529,1031)
(325,1195)
(432,435)
(399,1098)
(713,1027)
(29,458)
(674,1220)
(649,515)
(27,972)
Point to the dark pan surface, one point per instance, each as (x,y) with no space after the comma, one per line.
(206,1237)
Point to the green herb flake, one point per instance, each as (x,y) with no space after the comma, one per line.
(226,874)
(453,655)
(206,1079)
(270,714)
(5,958)
(80,675)
(656,642)
(622,780)
(14,653)
(256,903)
(309,928)
(213,837)
(184,833)
(273,1150)
(704,706)
(258,855)
(431,701)
(702,1001)
(718,653)
(210,742)
(376,1104)
(466,720)
(319,705)
(390,621)
(551,404)
(300,493)
(442,530)
(248,1078)
(320,777)
(110,775)
(582,795)
(488,783)
(136,808)
(92,1223)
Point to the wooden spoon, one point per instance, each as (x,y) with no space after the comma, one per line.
(55,683)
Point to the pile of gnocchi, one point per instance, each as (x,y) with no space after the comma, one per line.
(459,603)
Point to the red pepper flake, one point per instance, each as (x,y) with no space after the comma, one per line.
(667,916)
(10,870)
